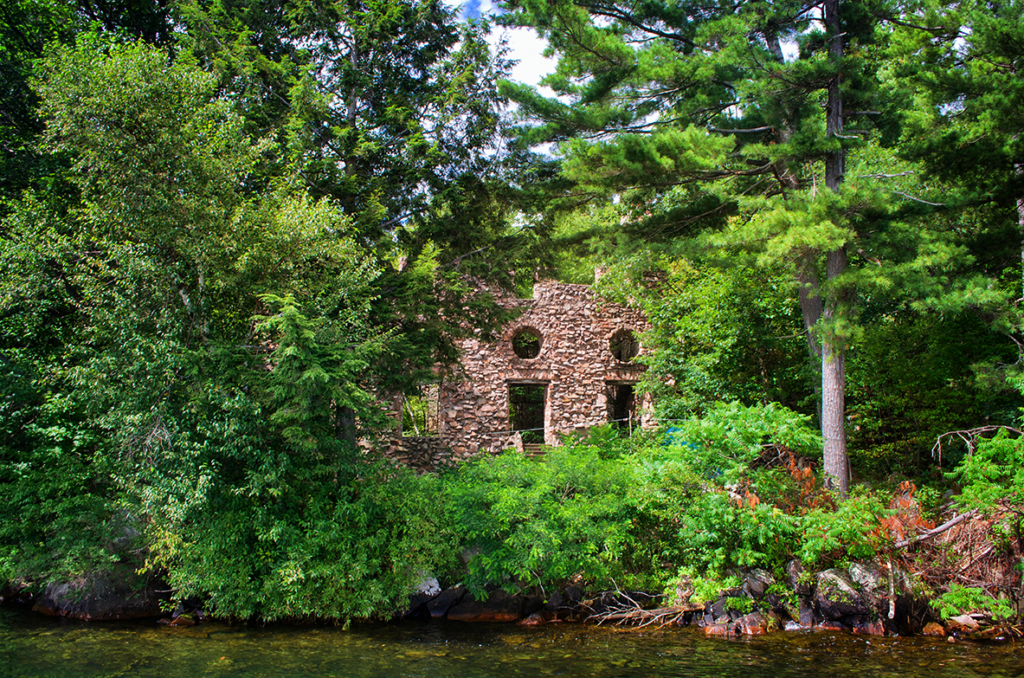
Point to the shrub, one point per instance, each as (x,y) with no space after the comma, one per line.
(961,600)
(542,522)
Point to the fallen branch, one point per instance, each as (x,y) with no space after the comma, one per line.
(641,618)
(975,559)
(938,530)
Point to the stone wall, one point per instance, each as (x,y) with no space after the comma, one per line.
(575,369)
(423,453)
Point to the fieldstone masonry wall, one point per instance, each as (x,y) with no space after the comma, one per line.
(575,367)
(419,452)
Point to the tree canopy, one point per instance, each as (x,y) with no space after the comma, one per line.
(769,131)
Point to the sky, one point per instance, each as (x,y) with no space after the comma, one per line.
(524,45)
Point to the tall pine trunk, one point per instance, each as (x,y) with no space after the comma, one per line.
(833,352)
(1019,169)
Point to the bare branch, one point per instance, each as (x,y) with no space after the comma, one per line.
(970,438)
(938,530)
(910,197)
(752,130)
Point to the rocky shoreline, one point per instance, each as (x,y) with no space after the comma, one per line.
(861,599)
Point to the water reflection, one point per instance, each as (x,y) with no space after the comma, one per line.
(33,646)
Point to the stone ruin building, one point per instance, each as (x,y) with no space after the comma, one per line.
(566,364)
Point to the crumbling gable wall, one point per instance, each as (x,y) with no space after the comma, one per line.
(575,370)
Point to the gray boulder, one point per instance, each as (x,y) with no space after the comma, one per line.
(757,582)
(837,596)
(117,593)
(439,606)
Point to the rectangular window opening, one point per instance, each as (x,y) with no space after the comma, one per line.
(526,404)
(621,405)
(420,413)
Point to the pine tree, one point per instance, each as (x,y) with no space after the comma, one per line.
(965,121)
(755,125)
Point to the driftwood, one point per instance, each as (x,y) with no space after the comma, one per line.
(937,531)
(634,616)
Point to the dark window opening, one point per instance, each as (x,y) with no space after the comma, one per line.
(526,343)
(526,411)
(624,345)
(621,405)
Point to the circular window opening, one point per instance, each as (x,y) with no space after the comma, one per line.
(624,345)
(526,343)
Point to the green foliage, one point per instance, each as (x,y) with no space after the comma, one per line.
(390,110)
(962,600)
(740,604)
(994,474)
(718,334)
(701,503)
(329,547)
(707,588)
(901,357)
(191,344)
(686,512)
(850,530)
(542,522)
(59,518)
(692,502)
(723,443)
(191,360)
(708,125)
(964,118)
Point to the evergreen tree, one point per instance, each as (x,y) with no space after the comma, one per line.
(958,70)
(755,125)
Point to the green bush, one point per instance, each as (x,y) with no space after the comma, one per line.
(348,550)
(696,500)
(688,501)
(542,522)
(849,530)
(994,474)
(961,600)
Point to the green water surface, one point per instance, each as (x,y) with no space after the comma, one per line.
(31,645)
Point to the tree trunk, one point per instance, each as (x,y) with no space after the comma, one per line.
(809,295)
(833,390)
(1019,169)
(833,350)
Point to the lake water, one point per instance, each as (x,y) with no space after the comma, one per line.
(31,645)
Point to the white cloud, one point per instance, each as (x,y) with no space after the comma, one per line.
(527,49)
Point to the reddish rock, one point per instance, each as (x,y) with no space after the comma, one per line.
(873,628)
(499,607)
(997,633)
(830,626)
(535,619)
(964,625)
(753,624)
(719,630)
(933,629)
